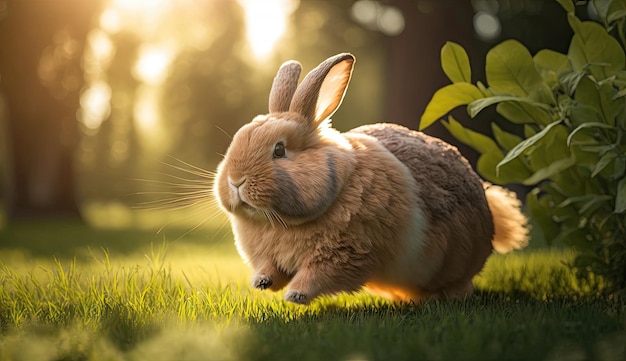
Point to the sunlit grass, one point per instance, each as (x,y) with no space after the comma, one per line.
(122,295)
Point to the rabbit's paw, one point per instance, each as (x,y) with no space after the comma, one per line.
(261,281)
(297,297)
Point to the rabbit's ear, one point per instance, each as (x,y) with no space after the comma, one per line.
(284,85)
(322,90)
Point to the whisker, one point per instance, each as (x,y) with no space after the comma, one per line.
(205,192)
(178,201)
(181,196)
(170,205)
(279,218)
(192,215)
(200,181)
(205,171)
(155,182)
(225,132)
(273,217)
(269,217)
(224,224)
(192,229)
(201,173)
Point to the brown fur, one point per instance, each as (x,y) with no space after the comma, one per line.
(460,227)
(381,207)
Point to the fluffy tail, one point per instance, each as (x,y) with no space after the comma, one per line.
(511,225)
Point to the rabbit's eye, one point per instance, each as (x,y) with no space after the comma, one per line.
(279,150)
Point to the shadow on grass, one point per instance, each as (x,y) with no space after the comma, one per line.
(486,326)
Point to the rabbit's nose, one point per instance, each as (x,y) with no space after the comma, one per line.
(236,182)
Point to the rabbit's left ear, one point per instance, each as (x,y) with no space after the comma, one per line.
(284,85)
(322,90)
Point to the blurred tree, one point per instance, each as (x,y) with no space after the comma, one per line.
(413,58)
(40,53)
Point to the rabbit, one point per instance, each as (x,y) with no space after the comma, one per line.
(383,208)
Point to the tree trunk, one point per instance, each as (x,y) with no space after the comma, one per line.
(414,67)
(41,45)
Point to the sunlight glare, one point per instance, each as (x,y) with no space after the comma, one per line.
(100,46)
(375,16)
(365,11)
(95,105)
(266,22)
(145,110)
(110,21)
(391,21)
(147,119)
(153,63)
(487,26)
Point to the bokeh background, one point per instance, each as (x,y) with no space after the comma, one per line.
(107,106)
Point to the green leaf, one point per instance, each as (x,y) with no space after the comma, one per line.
(587,159)
(513,172)
(586,126)
(524,113)
(616,16)
(547,59)
(602,8)
(491,155)
(529,131)
(541,210)
(551,148)
(600,149)
(506,140)
(581,113)
(486,166)
(570,81)
(620,199)
(593,204)
(604,161)
(568,5)
(620,94)
(480,142)
(527,143)
(549,171)
(478,105)
(446,99)
(591,44)
(483,89)
(510,70)
(455,63)
(576,199)
(586,92)
(550,64)
(616,5)
(619,168)
(611,106)
(621,119)
(601,97)
(574,22)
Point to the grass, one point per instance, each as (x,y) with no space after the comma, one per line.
(68,292)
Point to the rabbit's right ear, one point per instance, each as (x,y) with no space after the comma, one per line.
(284,85)
(323,88)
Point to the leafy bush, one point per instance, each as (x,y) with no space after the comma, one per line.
(573,112)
